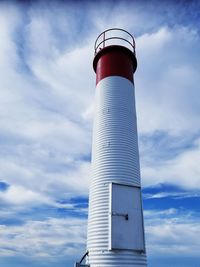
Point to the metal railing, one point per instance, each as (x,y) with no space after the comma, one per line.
(110,37)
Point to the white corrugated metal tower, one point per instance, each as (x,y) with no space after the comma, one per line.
(115,222)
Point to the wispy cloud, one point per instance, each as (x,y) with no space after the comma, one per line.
(167,80)
(48,238)
(183,170)
(174,195)
(171,232)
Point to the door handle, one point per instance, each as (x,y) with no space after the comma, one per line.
(125,215)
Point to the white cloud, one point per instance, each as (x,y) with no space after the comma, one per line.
(43,122)
(149,214)
(183,170)
(167,79)
(35,185)
(174,195)
(170,239)
(172,234)
(10,20)
(50,238)
(20,195)
(167,98)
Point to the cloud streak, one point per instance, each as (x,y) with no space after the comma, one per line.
(45,239)
(171,232)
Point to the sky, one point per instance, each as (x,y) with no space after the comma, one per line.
(47,88)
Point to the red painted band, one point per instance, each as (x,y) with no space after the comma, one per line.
(114,61)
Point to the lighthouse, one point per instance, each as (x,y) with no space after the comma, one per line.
(115,235)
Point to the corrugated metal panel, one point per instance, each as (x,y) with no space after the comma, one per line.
(115,159)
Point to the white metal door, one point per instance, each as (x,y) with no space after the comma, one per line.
(126,221)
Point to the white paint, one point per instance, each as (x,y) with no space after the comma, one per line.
(115,159)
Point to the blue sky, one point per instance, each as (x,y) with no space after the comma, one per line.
(47,88)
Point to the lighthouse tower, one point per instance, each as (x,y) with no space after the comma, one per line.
(115,222)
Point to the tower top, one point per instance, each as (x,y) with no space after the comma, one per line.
(114,54)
